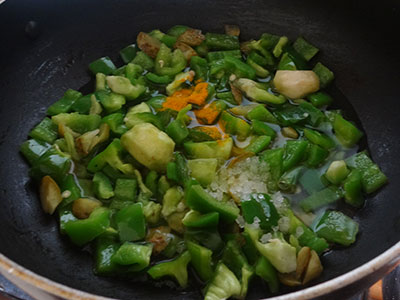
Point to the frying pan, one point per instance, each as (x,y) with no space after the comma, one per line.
(39,61)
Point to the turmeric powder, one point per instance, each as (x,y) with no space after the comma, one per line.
(183,97)
(207,114)
(211,131)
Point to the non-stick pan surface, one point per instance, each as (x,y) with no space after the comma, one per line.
(359,42)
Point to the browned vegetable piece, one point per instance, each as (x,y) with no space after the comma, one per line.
(191,37)
(148,44)
(83,207)
(289,279)
(245,47)
(314,268)
(237,94)
(159,237)
(232,30)
(303,258)
(50,194)
(289,132)
(62,129)
(175,221)
(87,141)
(187,51)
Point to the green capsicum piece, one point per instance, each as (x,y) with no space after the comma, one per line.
(324,197)
(131,223)
(316,155)
(305,236)
(65,103)
(256,92)
(176,268)
(116,123)
(102,65)
(45,131)
(78,122)
(203,169)
(128,53)
(319,138)
(168,62)
(347,134)
(295,151)
(83,231)
(234,125)
(260,206)
(235,260)
(274,159)
(223,285)
(336,227)
(198,199)
(261,113)
(201,260)
(198,220)
(281,254)
(52,163)
(258,144)
(325,75)
(106,246)
(352,187)
(33,149)
(320,99)
(372,178)
(217,41)
(143,60)
(213,149)
(136,256)
(123,86)
(239,68)
(267,272)
(110,155)
(102,186)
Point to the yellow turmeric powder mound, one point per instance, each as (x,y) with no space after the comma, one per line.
(200,94)
(207,114)
(183,97)
(211,131)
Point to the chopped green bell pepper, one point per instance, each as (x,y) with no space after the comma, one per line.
(320,99)
(198,220)
(136,256)
(198,199)
(116,123)
(111,155)
(316,155)
(33,149)
(169,63)
(45,131)
(201,260)
(295,151)
(102,65)
(304,48)
(77,122)
(65,103)
(325,75)
(260,207)
(223,285)
(255,91)
(123,86)
(235,125)
(258,144)
(128,53)
(261,113)
(321,198)
(372,177)
(83,231)
(336,227)
(143,60)
(352,187)
(176,268)
(52,163)
(319,138)
(102,186)
(178,131)
(347,134)
(274,159)
(131,223)
(267,272)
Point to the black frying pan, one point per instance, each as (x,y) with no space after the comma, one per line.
(359,42)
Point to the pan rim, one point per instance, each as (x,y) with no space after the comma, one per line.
(390,257)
